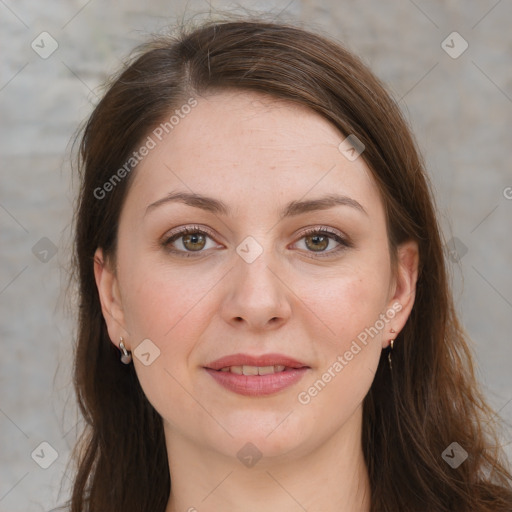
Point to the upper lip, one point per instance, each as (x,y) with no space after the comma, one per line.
(248,360)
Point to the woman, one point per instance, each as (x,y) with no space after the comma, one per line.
(265,318)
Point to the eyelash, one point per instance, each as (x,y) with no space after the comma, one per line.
(322,230)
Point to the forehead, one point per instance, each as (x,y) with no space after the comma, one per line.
(244,145)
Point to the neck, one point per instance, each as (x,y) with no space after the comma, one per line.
(331,477)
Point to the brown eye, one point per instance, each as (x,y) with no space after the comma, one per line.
(194,242)
(317,242)
(188,241)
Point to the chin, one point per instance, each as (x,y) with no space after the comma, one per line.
(267,434)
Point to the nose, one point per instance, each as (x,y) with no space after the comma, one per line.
(256,296)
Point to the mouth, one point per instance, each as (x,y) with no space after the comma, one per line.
(266,363)
(255,370)
(256,376)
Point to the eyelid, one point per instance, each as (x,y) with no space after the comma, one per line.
(323,229)
(182,230)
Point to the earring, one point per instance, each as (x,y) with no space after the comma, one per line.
(126,356)
(391,350)
(389,354)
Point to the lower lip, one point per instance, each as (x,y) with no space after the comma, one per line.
(258,385)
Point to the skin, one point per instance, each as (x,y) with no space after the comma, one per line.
(256,154)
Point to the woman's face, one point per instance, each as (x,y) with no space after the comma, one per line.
(256,282)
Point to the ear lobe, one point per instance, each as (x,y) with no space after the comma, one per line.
(110,297)
(405,284)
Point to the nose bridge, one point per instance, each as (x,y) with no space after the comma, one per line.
(255,259)
(257,292)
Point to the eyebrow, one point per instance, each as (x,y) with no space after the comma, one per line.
(292,209)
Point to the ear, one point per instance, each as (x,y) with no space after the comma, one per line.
(404,292)
(110,298)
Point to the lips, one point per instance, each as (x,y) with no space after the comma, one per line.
(256,375)
(266,360)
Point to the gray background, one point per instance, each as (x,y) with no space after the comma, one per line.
(460,110)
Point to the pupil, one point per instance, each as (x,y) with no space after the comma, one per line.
(193,239)
(318,241)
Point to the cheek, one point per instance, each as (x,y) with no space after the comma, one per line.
(171,308)
(159,301)
(347,303)
(353,309)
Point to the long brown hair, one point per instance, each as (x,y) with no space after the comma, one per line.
(413,412)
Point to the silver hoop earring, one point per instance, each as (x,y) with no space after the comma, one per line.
(126,356)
